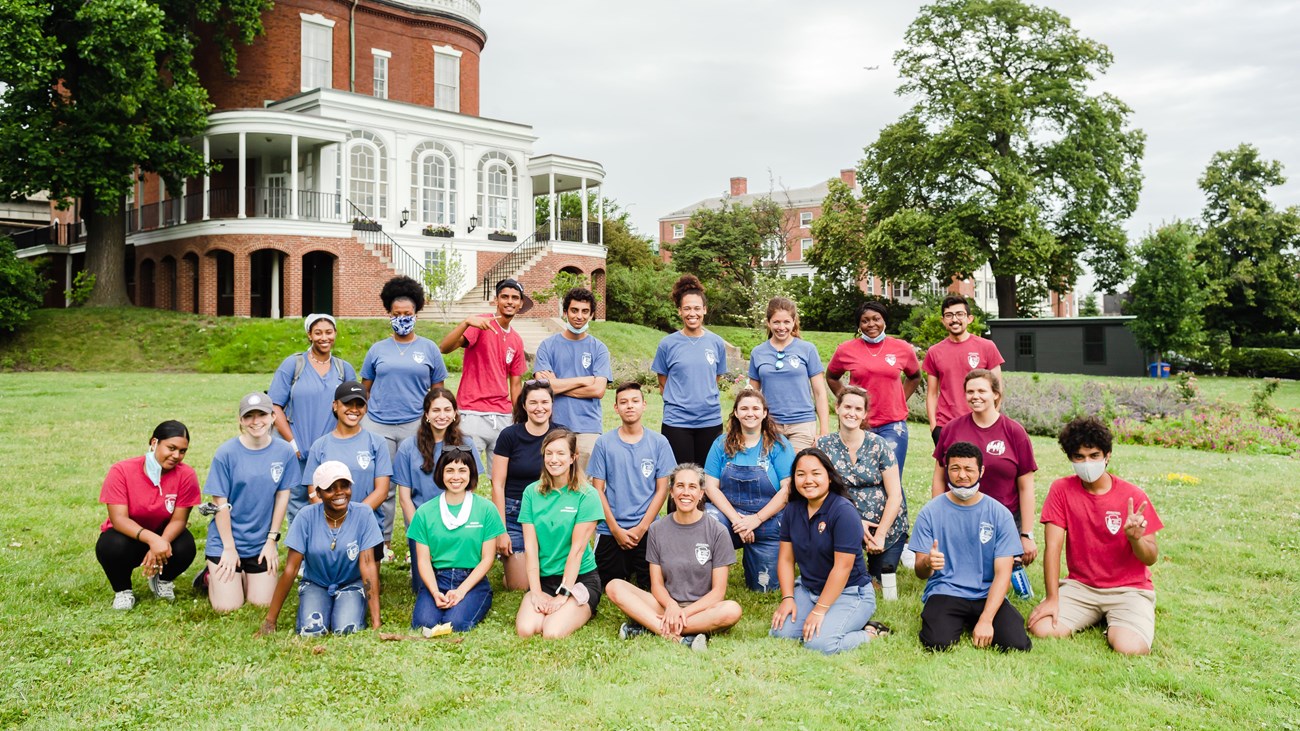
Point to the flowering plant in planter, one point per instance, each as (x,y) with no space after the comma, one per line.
(444,231)
(361,223)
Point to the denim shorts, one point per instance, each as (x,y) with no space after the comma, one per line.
(513,528)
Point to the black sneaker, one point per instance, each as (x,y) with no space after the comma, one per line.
(201,583)
(628,630)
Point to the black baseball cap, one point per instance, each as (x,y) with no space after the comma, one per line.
(512,283)
(350,391)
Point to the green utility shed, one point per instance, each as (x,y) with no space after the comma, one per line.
(1100,346)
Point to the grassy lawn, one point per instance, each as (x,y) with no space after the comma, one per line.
(1225,656)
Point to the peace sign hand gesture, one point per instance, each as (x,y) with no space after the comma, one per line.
(1135,525)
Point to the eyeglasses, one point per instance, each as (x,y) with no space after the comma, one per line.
(954,316)
(538,382)
(780,359)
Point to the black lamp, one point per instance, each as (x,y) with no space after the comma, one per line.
(406,218)
(473,224)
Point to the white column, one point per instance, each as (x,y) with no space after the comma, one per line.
(243,181)
(584,209)
(67,277)
(275,286)
(600,210)
(471,187)
(207,181)
(185,189)
(293,176)
(553,203)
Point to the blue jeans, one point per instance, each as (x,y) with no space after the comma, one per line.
(513,528)
(337,609)
(842,628)
(759,558)
(886,562)
(895,434)
(467,613)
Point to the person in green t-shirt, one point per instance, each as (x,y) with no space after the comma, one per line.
(559,513)
(455,545)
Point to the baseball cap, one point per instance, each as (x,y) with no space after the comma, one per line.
(256,401)
(330,472)
(513,283)
(350,391)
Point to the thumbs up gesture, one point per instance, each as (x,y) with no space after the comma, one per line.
(1135,525)
(936,557)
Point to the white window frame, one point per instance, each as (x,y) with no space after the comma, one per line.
(433,205)
(900,291)
(446,96)
(805,246)
(679,230)
(495,209)
(381,72)
(378,209)
(316,72)
(805,219)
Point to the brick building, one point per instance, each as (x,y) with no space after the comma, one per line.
(804,205)
(350,149)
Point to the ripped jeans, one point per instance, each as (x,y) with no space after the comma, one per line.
(321,609)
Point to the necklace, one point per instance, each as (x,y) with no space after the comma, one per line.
(878,349)
(400,350)
(333,530)
(311,353)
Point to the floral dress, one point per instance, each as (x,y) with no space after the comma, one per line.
(865,479)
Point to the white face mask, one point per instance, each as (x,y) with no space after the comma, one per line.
(1090,471)
(964,493)
(577,330)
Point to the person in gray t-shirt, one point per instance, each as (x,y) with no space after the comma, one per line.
(689,559)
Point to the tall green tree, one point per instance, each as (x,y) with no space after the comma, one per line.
(1168,292)
(1005,157)
(98,90)
(1250,249)
(727,248)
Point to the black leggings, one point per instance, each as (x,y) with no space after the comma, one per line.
(690,445)
(120,555)
(944,618)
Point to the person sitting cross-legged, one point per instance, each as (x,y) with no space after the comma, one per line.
(965,544)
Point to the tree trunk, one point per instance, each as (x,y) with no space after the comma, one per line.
(106,251)
(1006,290)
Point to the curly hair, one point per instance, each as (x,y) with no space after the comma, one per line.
(424,439)
(1085,431)
(735,440)
(688,284)
(964,450)
(402,288)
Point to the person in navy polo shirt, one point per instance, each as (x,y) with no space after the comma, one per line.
(965,546)
(829,606)
(577,366)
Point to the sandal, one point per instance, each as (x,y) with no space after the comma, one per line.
(882,629)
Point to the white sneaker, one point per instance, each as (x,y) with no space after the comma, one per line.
(908,559)
(388,555)
(165,590)
(124,600)
(697,643)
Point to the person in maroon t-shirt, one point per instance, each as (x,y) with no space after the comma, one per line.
(1009,464)
(1111,527)
(949,360)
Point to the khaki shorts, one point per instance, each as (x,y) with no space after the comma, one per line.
(1082,606)
(586,443)
(801,435)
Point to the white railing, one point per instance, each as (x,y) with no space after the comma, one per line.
(467,9)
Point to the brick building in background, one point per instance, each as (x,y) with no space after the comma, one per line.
(804,205)
(350,129)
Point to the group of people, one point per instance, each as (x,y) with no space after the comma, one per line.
(574,511)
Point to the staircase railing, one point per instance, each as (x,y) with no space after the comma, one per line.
(402,260)
(510,263)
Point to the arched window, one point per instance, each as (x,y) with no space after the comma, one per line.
(433,178)
(368,174)
(498,185)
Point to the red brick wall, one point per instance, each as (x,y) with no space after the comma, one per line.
(271,67)
(541,274)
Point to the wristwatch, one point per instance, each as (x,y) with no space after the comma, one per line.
(274,535)
(1030,536)
(563,591)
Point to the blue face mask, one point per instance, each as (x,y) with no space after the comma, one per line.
(403,324)
(874,341)
(152,469)
(577,330)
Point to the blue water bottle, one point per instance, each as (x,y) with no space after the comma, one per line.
(1020,581)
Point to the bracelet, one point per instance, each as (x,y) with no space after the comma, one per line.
(787,596)
(819,614)
(819,604)
(137,533)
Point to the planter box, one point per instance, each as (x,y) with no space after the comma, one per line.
(440,234)
(501,237)
(367,227)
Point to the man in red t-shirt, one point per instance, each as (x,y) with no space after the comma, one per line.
(949,360)
(1111,527)
(493,368)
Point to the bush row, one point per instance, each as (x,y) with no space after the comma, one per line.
(1249,362)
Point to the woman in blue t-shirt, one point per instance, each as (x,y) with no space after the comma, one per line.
(788,370)
(690,363)
(249,481)
(746,477)
(397,373)
(829,606)
(332,541)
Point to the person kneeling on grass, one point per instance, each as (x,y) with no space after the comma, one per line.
(454,535)
(335,539)
(689,558)
(559,514)
(829,606)
(965,544)
(1110,548)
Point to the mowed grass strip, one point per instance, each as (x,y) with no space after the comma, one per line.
(1225,653)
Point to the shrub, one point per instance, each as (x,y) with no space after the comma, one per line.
(21,288)
(636,370)
(640,296)
(82,285)
(1264,362)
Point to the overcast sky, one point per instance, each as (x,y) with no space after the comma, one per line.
(674,97)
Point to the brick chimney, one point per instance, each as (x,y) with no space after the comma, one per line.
(739,186)
(850,177)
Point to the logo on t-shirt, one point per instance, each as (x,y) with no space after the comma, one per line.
(890,359)
(277,471)
(821,527)
(586,360)
(702,553)
(647,467)
(986,532)
(1112,521)
(710,356)
(996,447)
(418,356)
(762,463)
(973,359)
(363,460)
(568,509)
(510,355)
(354,550)
(795,362)
(170,503)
